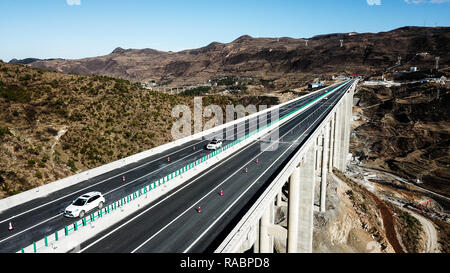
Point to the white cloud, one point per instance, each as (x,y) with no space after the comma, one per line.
(374,2)
(73,2)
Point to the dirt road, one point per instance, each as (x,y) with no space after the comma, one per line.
(430,232)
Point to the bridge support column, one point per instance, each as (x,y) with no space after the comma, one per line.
(265,239)
(256,244)
(348,118)
(331,140)
(293,207)
(306,202)
(337,137)
(318,152)
(324,173)
(345,134)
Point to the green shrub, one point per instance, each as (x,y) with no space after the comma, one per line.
(15,93)
(4,131)
(38,175)
(31,162)
(71,164)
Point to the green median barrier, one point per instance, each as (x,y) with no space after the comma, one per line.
(34,247)
(46,241)
(56,235)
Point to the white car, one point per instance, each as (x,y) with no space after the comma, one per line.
(214,144)
(84,204)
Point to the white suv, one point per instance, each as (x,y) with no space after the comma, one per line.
(84,204)
(214,144)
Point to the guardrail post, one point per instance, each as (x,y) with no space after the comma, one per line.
(56,235)
(66,231)
(84,221)
(101,213)
(46,241)
(75,226)
(34,247)
(22,251)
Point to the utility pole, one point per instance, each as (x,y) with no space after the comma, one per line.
(437,63)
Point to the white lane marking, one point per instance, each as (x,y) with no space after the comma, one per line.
(53,217)
(215,189)
(168,196)
(47,220)
(251,185)
(7,238)
(100,182)
(162,200)
(107,179)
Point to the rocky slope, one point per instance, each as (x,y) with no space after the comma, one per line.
(406,131)
(283,61)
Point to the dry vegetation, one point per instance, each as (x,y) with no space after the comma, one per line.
(406,131)
(53,125)
(273,63)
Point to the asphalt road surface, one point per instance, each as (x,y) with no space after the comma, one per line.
(36,218)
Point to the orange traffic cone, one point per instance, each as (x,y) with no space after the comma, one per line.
(168,158)
(10,226)
(199,209)
(123,178)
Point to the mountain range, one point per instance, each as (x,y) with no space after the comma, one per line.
(278,59)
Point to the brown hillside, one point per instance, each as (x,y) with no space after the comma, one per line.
(284,60)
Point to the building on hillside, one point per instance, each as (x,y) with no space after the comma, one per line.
(314,85)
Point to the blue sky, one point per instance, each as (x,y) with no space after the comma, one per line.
(84,28)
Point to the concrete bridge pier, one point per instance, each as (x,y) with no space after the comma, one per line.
(306,202)
(331,143)
(293,207)
(265,238)
(327,151)
(324,170)
(337,137)
(301,205)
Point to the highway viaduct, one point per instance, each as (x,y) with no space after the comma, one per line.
(162,182)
